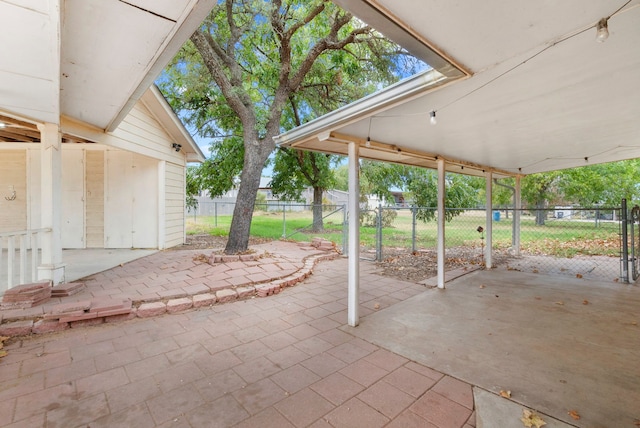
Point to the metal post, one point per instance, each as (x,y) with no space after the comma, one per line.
(625,242)
(353,295)
(345,228)
(379,233)
(489,220)
(413,229)
(284,221)
(215,213)
(516,216)
(441,215)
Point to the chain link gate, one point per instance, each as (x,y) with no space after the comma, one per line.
(372,218)
(634,240)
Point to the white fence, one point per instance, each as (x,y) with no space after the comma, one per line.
(20,256)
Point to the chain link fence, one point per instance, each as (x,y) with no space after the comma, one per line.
(581,242)
(571,241)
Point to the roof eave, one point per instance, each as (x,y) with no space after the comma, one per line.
(156,102)
(375,103)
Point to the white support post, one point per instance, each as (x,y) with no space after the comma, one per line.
(51,202)
(441,217)
(353,299)
(516,217)
(489,220)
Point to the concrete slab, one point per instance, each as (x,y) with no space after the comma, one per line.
(557,343)
(495,411)
(82,263)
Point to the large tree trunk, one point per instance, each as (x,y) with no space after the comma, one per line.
(318,226)
(255,155)
(541,214)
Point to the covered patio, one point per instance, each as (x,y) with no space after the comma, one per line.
(91,154)
(515,89)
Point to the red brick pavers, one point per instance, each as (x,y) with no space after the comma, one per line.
(279,361)
(177,274)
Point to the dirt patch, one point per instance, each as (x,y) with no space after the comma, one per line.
(203,242)
(397,263)
(423,264)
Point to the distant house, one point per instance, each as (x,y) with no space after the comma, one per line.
(223,205)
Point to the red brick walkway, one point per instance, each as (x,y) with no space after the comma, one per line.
(280,361)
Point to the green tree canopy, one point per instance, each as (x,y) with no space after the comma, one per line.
(245,66)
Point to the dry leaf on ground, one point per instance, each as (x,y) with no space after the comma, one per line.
(530,419)
(585,302)
(560,303)
(574,414)
(505,394)
(578,275)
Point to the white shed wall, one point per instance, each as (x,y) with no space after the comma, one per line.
(174,204)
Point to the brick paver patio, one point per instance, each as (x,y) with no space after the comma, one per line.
(279,361)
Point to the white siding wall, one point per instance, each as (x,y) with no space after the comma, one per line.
(95,198)
(13,176)
(143,144)
(174,204)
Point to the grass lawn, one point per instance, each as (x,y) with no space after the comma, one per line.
(563,238)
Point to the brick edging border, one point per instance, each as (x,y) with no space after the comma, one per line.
(81,314)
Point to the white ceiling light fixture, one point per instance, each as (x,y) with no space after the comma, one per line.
(602,30)
(432,117)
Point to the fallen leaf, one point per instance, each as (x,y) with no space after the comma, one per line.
(530,419)
(560,303)
(637,422)
(574,414)
(481,286)
(616,279)
(578,275)
(585,302)
(535,271)
(505,394)
(376,306)
(3,353)
(538,298)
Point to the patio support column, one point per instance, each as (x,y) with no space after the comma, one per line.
(441,216)
(353,298)
(51,202)
(516,217)
(489,219)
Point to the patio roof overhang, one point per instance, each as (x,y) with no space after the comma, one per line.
(527,88)
(90,60)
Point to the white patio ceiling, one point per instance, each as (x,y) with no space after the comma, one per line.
(541,93)
(95,64)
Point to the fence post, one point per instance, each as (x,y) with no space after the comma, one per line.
(413,228)
(284,220)
(215,214)
(379,233)
(625,242)
(345,249)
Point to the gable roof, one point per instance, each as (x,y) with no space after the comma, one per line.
(160,108)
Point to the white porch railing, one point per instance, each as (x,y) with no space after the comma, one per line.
(20,256)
